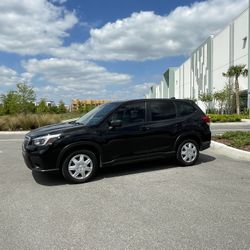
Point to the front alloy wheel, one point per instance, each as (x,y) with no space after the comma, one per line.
(187,153)
(79,166)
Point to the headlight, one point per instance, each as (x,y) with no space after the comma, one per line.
(45,140)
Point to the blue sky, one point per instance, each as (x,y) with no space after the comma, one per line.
(98,49)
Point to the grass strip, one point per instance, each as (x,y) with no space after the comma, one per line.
(237,139)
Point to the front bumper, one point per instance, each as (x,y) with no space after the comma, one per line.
(38,161)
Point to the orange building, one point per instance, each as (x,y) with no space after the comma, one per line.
(85,104)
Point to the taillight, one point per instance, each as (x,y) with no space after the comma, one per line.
(206,119)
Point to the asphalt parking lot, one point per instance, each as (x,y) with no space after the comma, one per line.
(153,205)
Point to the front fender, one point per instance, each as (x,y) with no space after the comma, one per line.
(77,145)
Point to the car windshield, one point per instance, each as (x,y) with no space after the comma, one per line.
(97,114)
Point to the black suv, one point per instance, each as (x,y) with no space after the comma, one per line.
(119,132)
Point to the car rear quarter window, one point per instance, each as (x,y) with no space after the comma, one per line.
(161,110)
(184,108)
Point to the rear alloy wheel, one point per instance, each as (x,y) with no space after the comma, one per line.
(187,152)
(80,166)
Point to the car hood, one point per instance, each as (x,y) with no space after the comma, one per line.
(55,129)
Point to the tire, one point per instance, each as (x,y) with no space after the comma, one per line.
(187,153)
(80,166)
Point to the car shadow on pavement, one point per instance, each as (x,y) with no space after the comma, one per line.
(55,178)
(205,158)
(49,179)
(140,167)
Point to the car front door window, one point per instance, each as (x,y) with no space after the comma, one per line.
(130,114)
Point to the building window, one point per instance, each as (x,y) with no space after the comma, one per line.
(244,42)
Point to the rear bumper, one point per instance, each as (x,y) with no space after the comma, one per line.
(205,145)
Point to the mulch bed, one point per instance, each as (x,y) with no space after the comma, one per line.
(228,143)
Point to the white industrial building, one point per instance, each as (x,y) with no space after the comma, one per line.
(202,71)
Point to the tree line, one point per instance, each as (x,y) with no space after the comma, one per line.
(22,100)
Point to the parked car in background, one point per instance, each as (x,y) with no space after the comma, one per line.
(119,132)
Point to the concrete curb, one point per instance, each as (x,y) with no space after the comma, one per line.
(245,120)
(13,132)
(230,152)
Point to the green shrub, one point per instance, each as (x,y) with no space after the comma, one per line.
(224,118)
(245,114)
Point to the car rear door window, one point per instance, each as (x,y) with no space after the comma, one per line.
(162,110)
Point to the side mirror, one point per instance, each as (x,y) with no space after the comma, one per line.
(72,122)
(115,124)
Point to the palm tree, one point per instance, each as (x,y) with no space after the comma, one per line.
(236,71)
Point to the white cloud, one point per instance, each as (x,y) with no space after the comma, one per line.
(67,79)
(34,27)
(146,35)
(31,27)
(9,77)
(142,89)
(130,91)
(73,77)
(59,1)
